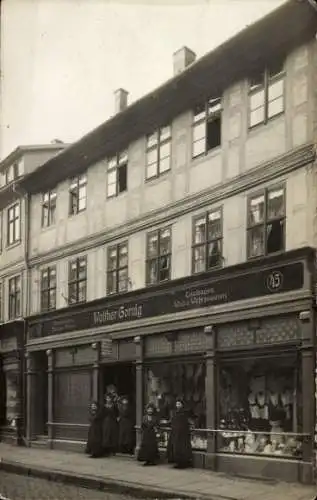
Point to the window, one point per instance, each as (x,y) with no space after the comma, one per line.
(77,280)
(158,265)
(207,241)
(158,152)
(48,208)
(207,127)
(117,275)
(15,297)
(260,407)
(117,179)
(78,195)
(266,222)
(48,289)
(13,234)
(266,95)
(13,172)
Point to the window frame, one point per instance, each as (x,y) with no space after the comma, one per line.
(15,297)
(267,81)
(77,281)
(207,241)
(159,143)
(158,257)
(117,247)
(76,184)
(48,289)
(119,163)
(1,302)
(209,115)
(266,220)
(49,205)
(11,223)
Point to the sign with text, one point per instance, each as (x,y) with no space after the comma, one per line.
(204,294)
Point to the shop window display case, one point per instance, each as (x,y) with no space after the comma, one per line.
(167,381)
(260,409)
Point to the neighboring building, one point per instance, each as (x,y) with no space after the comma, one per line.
(171,252)
(14,221)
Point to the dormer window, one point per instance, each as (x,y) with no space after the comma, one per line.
(266,95)
(207,127)
(13,172)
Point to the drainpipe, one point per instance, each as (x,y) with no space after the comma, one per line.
(21,424)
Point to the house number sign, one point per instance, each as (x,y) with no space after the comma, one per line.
(274,281)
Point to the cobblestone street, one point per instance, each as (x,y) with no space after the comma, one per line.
(17,487)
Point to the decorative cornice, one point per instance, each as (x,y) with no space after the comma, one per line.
(263,173)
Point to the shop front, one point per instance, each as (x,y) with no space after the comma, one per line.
(237,345)
(11,381)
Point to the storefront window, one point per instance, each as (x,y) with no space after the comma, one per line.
(167,381)
(259,408)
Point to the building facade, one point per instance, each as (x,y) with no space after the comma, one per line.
(171,253)
(14,203)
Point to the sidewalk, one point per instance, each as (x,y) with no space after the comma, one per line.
(126,476)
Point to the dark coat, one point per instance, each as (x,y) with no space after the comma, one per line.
(109,430)
(148,451)
(94,440)
(126,432)
(179,449)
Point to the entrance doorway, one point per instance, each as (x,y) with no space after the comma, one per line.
(122,376)
(41,394)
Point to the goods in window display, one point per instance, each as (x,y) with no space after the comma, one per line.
(94,440)
(179,449)
(149,452)
(126,427)
(109,426)
(260,419)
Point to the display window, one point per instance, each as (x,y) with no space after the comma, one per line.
(164,382)
(260,408)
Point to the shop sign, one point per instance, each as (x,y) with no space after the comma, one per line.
(168,301)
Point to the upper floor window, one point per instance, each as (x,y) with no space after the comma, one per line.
(158,152)
(77,280)
(15,297)
(207,241)
(13,172)
(13,232)
(117,268)
(78,194)
(158,261)
(266,222)
(48,288)
(266,95)
(207,127)
(48,208)
(117,174)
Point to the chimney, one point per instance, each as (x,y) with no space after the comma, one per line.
(182,58)
(121,100)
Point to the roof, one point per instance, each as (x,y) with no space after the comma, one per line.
(18,152)
(275,35)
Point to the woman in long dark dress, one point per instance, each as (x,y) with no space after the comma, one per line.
(109,427)
(149,452)
(126,428)
(94,440)
(179,449)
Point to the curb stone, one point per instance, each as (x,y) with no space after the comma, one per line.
(135,490)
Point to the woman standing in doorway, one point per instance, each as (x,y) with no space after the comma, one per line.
(109,427)
(179,449)
(126,427)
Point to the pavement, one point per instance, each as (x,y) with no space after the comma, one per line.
(126,476)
